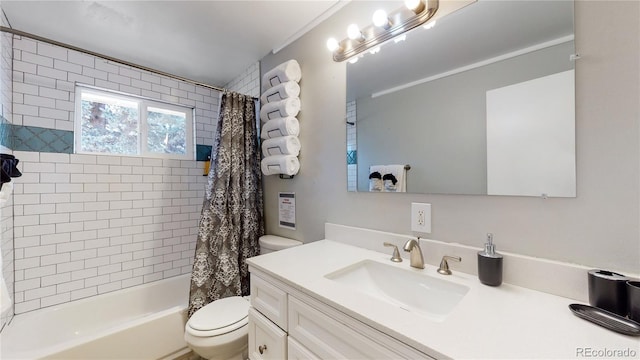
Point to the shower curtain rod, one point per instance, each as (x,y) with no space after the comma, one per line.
(110,58)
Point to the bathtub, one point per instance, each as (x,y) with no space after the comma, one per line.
(142,322)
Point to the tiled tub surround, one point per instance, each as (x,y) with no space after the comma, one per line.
(90,224)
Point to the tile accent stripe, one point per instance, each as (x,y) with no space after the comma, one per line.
(37,139)
(32,138)
(5,133)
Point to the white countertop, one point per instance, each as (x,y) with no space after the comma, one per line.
(504,322)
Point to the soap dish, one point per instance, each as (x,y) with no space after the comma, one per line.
(606,319)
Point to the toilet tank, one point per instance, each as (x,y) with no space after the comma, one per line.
(271,243)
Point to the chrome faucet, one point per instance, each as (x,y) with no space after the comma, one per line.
(413,246)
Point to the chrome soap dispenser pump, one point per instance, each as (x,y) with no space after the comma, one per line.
(490,264)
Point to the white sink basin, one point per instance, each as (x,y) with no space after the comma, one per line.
(412,291)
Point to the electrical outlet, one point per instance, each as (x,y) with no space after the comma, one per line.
(421,217)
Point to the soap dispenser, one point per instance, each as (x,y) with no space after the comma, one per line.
(490,264)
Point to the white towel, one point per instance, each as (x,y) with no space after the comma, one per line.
(280,127)
(280,92)
(280,164)
(401,175)
(285,145)
(280,109)
(398,171)
(287,71)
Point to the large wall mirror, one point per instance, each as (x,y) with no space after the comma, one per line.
(481,103)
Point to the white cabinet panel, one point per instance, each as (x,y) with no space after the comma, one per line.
(298,352)
(330,339)
(266,341)
(269,300)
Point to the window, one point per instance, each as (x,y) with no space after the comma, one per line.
(117,124)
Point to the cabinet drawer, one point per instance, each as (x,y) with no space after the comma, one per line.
(266,341)
(298,352)
(330,339)
(269,300)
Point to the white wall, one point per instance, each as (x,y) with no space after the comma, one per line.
(599,228)
(6,211)
(89,224)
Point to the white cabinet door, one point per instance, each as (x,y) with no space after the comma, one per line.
(298,352)
(269,300)
(330,339)
(266,340)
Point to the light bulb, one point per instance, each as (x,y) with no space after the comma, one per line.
(414,5)
(353,60)
(430,25)
(400,38)
(332,44)
(353,32)
(380,18)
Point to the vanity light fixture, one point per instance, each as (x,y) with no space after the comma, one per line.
(385,27)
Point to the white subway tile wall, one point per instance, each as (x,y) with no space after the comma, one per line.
(44,77)
(352,169)
(90,224)
(6,211)
(248,82)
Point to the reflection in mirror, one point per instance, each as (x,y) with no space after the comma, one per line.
(481,103)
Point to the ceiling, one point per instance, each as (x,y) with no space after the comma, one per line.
(206,41)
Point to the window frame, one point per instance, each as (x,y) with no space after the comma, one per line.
(143,104)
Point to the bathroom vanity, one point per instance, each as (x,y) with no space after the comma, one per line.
(328,300)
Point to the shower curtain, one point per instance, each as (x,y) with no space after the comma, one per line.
(232,214)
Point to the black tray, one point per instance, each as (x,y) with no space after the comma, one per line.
(606,319)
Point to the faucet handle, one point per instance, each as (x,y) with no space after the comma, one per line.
(396,254)
(444,265)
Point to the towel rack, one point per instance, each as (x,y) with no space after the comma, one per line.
(407,167)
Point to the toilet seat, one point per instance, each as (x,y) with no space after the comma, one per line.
(219,317)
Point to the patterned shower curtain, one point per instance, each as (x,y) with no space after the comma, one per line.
(232,214)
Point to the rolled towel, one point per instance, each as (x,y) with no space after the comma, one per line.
(287,71)
(280,127)
(280,109)
(375,181)
(285,145)
(280,92)
(280,164)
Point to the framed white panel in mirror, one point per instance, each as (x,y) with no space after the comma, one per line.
(482,103)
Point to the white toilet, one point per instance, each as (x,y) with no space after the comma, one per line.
(218,330)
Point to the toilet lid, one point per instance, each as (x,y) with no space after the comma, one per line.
(220,314)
